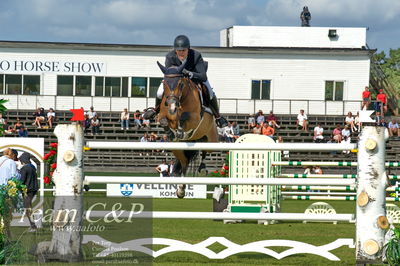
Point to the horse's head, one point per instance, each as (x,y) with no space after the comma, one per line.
(174,83)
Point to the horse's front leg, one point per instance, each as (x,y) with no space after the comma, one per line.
(180,155)
(202,163)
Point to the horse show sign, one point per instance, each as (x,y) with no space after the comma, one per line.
(155,190)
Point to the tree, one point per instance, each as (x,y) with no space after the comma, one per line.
(390,65)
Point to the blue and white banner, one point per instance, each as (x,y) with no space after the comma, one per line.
(155,190)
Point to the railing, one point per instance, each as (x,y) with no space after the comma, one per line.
(228,106)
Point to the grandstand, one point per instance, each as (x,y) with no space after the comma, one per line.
(135,161)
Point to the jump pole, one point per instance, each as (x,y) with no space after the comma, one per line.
(215,181)
(311,163)
(218,146)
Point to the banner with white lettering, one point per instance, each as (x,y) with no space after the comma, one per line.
(155,190)
(20,66)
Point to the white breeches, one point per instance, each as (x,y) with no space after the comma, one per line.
(160,90)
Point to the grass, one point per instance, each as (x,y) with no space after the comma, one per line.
(195,231)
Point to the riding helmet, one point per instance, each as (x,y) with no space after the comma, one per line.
(181,42)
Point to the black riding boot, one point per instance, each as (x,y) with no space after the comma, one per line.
(221,121)
(152,112)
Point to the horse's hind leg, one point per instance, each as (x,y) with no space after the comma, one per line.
(202,164)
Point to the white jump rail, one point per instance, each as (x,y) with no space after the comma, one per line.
(219,146)
(215,181)
(311,163)
(225,216)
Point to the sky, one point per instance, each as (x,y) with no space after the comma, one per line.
(157,22)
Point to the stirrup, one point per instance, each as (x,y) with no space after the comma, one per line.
(221,122)
(149,114)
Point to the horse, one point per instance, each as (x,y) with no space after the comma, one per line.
(181,115)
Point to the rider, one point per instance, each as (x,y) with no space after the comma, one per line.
(195,69)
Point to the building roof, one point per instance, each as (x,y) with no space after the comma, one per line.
(165,48)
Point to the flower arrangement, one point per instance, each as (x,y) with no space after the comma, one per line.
(2,110)
(224,171)
(10,199)
(51,161)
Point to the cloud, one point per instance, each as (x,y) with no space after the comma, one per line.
(159,21)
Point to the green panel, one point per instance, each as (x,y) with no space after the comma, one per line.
(255,209)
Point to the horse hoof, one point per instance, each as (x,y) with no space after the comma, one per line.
(180,193)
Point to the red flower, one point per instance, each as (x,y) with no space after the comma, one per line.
(52,152)
(51,173)
(222,172)
(215,172)
(46,156)
(46,180)
(226,167)
(53,166)
(54,145)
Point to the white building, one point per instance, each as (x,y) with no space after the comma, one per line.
(322,70)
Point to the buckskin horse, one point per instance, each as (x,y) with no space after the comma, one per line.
(181,114)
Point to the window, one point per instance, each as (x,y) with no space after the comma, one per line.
(99,86)
(65,85)
(154,84)
(261,89)
(138,88)
(31,85)
(14,84)
(1,84)
(124,87)
(334,90)
(112,87)
(83,85)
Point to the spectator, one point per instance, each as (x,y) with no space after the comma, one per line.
(257,129)
(125,119)
(164,138)
(29,178)
(3,123)
(308,170)
(235,130)
(228,133)
(8,167)
(273,120)
(40,116)
(317,170)
(86,123)
(221,137)
(51,116)
(163,169)
(383,122)
(349,120)
(260,118)
(347,140)
(381,104)
(17,125)
(145,137)
(346,132)
(23,132)
(302,121)
(357,122)
(95,124)
(378,118)
(171,167)
(318,134)
(394,128)
(145,122)
(153,137)
(251,122)
(337,134)
(285,153)
(267,130)
(366,96)
(137,119)
(91,113)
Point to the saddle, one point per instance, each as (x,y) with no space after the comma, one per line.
(205,99)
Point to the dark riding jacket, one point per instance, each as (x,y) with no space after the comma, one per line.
(194,63)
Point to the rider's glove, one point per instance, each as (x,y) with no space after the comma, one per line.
(187,73)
